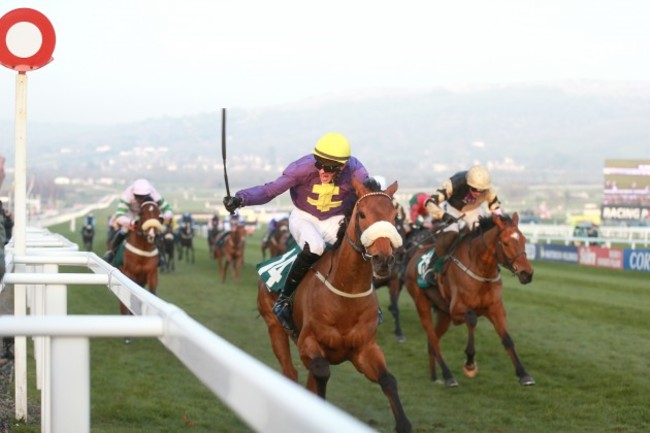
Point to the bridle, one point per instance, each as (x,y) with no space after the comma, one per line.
(358,244)
(362,241)
(500,253)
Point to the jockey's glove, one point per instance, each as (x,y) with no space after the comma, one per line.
(232,203)
(447,218)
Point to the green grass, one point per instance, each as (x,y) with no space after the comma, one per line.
(582,333)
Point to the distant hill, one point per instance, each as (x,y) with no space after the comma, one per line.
(538,133)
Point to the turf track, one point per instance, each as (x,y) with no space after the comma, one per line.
(582,333)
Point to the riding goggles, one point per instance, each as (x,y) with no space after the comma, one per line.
(471,188)
(327,168)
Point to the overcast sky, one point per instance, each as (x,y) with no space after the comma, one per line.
(130,60)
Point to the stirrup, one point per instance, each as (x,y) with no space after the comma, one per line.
(282,310)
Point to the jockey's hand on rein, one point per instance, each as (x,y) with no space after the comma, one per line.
(447,218)
(232,203)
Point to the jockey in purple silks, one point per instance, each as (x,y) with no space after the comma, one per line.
(320,185)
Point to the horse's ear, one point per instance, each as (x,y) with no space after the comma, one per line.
(392,189)
(515,218)
(358,187)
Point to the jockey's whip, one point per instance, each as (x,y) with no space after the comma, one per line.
(223,149)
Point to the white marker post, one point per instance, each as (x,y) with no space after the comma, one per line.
(27,41)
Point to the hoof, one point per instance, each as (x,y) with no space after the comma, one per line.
(127,340)
(526,381)
(451,383)
(400,338)
(470,370)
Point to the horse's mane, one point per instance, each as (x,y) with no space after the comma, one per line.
(485,223)
(371,184)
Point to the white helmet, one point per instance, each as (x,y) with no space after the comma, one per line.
(381,180)
(142,187)
(478,178)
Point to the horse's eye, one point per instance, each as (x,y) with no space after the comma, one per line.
(361,214)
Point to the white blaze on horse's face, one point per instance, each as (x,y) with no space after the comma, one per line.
(515,236)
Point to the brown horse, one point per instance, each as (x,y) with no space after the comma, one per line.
(229,252)
(140,251)
(278,241)
(471,286)
(335,305)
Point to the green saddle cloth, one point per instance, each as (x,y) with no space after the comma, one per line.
(423,263)
(118,260)
(274,271)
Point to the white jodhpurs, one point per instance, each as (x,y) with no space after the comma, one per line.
(306,228)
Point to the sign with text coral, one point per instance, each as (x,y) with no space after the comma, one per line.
(27,40)
(637,260)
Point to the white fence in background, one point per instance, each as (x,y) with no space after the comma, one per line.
(637,237)
(260,396)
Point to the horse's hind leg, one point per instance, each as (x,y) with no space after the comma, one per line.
(470,369)
(497,316)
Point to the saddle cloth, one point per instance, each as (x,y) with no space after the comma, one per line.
(274,271)
(423,263)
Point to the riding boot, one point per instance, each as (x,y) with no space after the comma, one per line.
(283,305)
(115,244)
(442,244)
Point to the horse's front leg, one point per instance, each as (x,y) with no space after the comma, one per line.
(470,369)
(313,358)
(424,308)
(371,362)
(319,375)
(152,280)
(497,315)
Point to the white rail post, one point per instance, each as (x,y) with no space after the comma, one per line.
(56,304)
(70,384)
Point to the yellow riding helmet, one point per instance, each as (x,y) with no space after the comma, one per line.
(333,146)
(478,177)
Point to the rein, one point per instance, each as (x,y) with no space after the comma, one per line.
(469,272)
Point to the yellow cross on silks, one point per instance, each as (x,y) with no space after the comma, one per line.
(325,193)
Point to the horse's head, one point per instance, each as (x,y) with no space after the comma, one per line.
(373,226)
(150,221)
(511,248)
